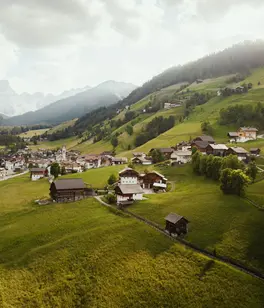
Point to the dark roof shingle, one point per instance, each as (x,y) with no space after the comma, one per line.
(69,184)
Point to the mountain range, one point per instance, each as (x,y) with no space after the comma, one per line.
(12,104)
(72,106)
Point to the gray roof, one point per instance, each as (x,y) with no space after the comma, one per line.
(206,138)
(239,150)
(252,129)
(201,144)
(69,184)
(37,169)
(218,146)
(233,134)
(173,218)
(130,188)
(254,149)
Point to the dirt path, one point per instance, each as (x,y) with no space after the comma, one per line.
(204,252)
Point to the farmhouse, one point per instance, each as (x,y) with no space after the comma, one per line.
(171,105)
(141,160)
(165,151)
(128,193)
(153,180)
(244,134)
(216,149)
(118,160)
(200,146)
(247,133)
(128,176)
(176,224)
(255,151)
(205,138)
(181,156)
(233,136)
(37,173)
(139,154)
(3,172)
(69,190)
(241,153)
(184,146)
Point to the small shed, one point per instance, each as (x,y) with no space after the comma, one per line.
(255,151)
(176,224)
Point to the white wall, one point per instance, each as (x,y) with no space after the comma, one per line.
(36,177)
(129,180)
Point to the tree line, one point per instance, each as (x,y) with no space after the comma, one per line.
(154,128)
(243,115)
(232,174)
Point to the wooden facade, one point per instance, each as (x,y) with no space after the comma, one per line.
(150,179)
(69,190)
(176,224)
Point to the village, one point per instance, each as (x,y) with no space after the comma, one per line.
(131,185)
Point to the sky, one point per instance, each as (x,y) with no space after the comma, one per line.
(52,46)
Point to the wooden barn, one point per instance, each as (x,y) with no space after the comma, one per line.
(152,180)
(69,190)
(176,224)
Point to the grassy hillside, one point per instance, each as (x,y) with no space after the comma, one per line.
(229,224)
(61,126)
(208,112)
(32,133)
(82,254)
(183,131)
(69,142)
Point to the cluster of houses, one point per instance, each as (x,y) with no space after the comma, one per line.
(132,185)
(39,162)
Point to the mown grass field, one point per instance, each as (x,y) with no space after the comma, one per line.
(98,177)
(32,133)
(61,126)
(229,224)
(69,142)
(255,193)
(84,255)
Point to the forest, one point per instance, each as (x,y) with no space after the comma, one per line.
(243,115)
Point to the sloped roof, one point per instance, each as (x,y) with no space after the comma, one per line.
(239,150)
(205,138)
(174,218)
(233,134)
(64,184)
(251,129)
(201,144)
(37,169)
(181,153)
(130,188)
(218,146)
(254,149)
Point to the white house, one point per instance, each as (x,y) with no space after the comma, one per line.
(244,134)
(3,172)
(128,189)
(181,156)
(37,173)
(9,165)
(141,160)
(128,176)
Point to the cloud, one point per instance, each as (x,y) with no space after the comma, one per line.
(31,23)
(213,10)
(55,45)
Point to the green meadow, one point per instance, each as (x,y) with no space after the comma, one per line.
(85,255)
(228,224)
